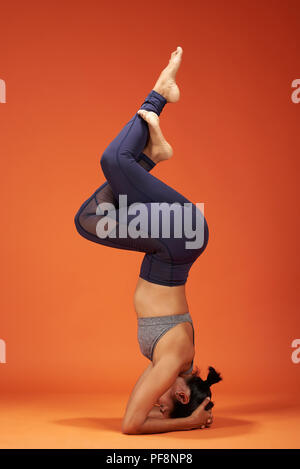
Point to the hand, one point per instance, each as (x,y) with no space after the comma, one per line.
(201,418)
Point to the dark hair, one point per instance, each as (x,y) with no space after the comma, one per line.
(199,391)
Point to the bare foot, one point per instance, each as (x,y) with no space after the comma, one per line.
(166,84)
(157,148)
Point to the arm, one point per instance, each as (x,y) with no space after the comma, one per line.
(200,418)
(139,383)
(157,379)
(162,425)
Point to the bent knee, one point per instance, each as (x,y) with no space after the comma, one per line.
(108,161)
(104,159)
(78,220)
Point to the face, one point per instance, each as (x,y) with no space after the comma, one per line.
(166,403)
(178,391)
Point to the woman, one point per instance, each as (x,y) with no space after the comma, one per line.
(168,396)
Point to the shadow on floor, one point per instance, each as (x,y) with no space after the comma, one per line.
(271,405)
(222,427)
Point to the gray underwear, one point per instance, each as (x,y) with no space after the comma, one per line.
(151,329)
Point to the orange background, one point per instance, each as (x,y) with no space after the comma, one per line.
(75,73)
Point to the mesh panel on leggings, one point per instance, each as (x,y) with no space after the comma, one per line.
(88,220)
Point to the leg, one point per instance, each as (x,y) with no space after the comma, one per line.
(86,219)
(120,167)
(167,261)
(119,159)
(170,263)
(165,90)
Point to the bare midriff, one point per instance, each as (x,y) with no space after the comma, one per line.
(151,299)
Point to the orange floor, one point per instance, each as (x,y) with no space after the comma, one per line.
(93,421)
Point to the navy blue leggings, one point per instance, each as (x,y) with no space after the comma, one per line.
(167,259)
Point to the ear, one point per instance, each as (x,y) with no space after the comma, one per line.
(182,397)
(213,376)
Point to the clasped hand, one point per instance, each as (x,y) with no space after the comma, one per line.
(201,418)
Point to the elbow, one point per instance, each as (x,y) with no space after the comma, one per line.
(129,430)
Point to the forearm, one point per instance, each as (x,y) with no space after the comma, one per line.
(162,425)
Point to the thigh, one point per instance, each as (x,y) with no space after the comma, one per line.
(102,221)
(152,228)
